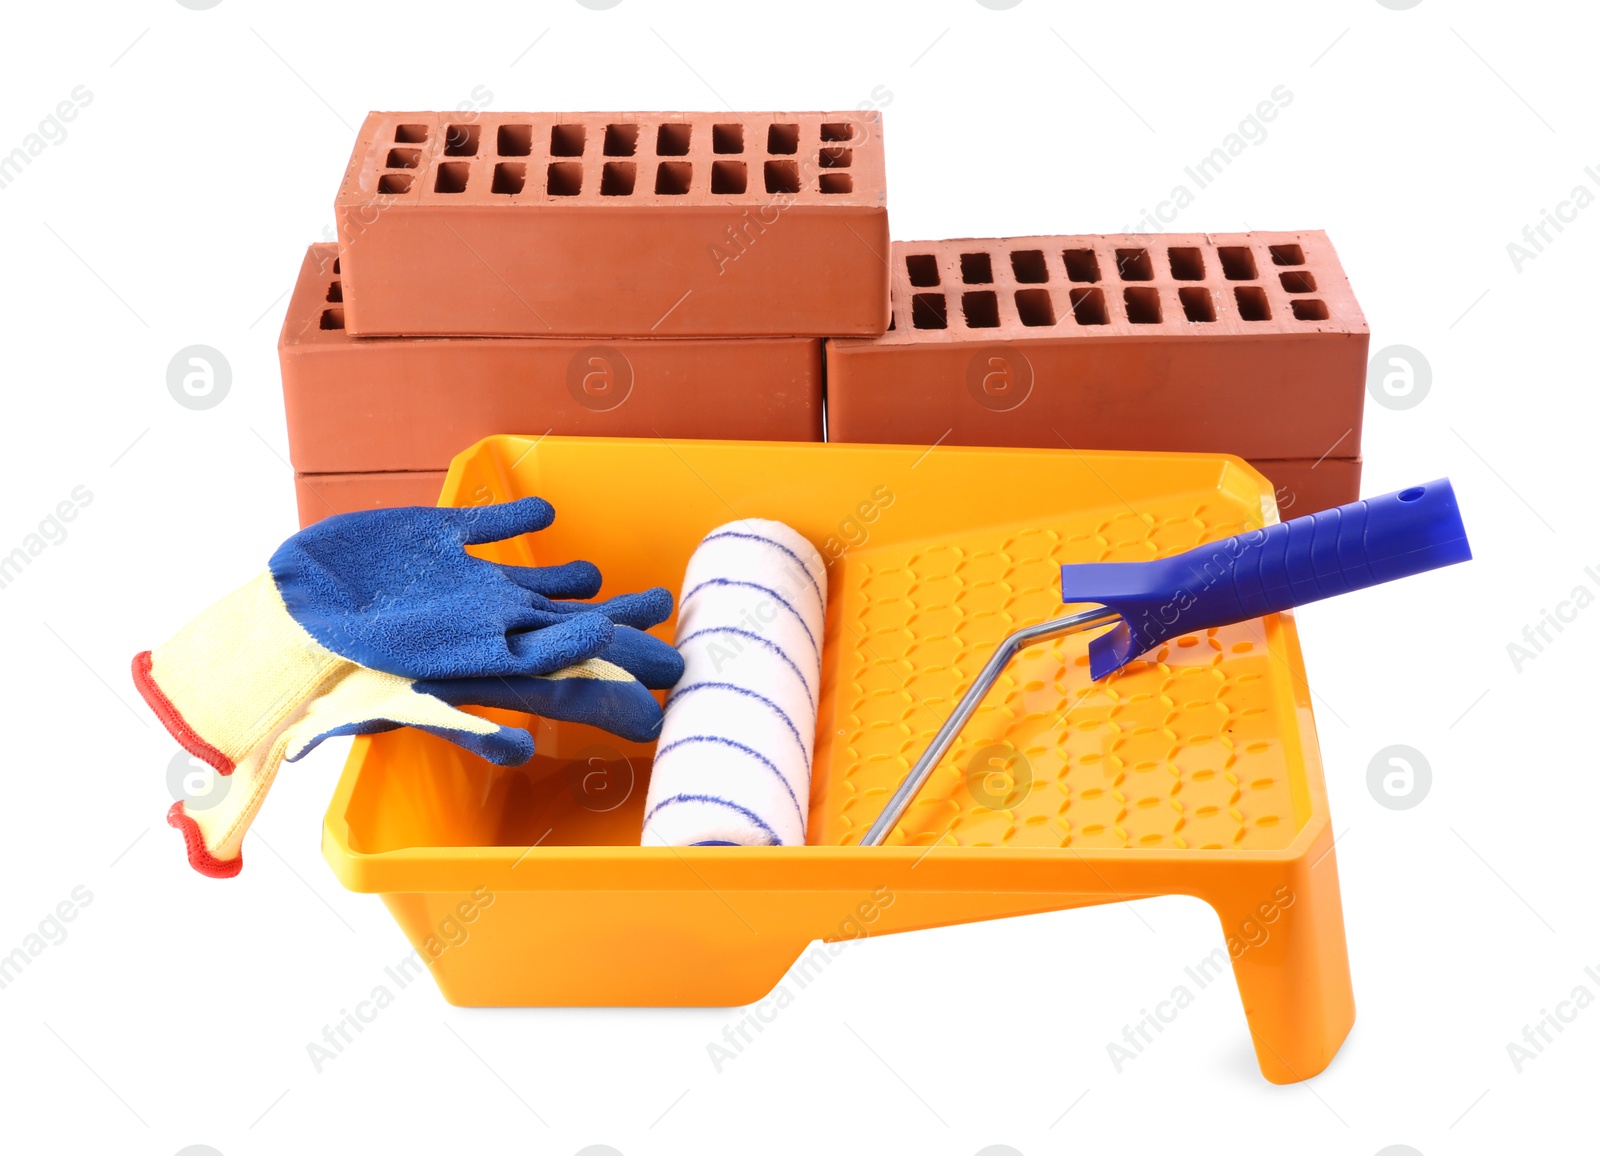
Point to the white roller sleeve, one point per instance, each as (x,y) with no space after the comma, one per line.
(733,764)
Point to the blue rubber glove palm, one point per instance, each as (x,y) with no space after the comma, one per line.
(395,591)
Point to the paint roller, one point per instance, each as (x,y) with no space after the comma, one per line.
(733,764)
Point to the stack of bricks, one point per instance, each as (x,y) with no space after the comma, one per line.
(696,275)
(622,275)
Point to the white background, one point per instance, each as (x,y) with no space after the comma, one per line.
(178,1009)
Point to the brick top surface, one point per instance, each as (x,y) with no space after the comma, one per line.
(1116,286)
(316,307)
(617,160)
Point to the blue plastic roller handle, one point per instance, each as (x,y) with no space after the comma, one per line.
(1263,571)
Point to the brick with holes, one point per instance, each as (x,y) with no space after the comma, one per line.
(622,224)
(1248,343)
(363,405)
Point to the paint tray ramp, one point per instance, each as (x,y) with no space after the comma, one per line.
(1194,771)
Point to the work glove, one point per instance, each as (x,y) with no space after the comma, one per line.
(378,619)
(612,695)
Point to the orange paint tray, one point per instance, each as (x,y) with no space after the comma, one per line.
(1194,771)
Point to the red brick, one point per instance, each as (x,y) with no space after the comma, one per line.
(622,224)
(378,403)
(1278,374)
(1305,485)
(320,496)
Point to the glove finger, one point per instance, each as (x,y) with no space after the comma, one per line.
(654,663)
(570,640)
(596,693)
(644,609)
(366,702)
(503,746)
(642,655)
(479,524)
(541,617)
(573,580)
